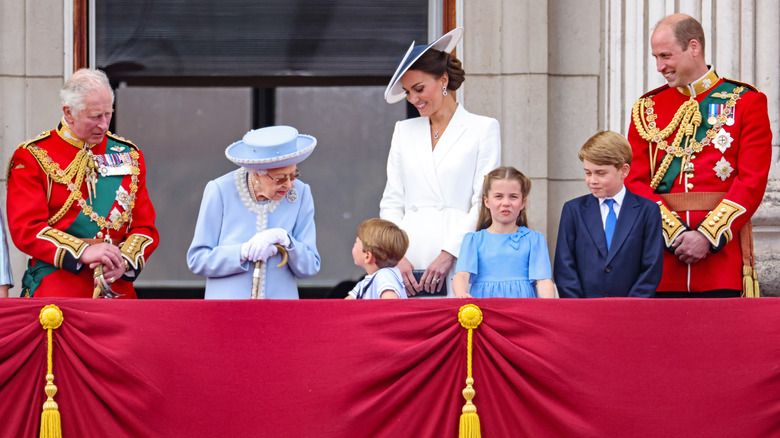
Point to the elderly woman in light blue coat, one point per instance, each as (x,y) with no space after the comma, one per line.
(247,212)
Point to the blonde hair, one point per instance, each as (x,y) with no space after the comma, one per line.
(384,240)
(606,148)
(508,173)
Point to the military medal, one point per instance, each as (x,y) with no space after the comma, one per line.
(722,141)
(714,111)
(723,169)
(114,164)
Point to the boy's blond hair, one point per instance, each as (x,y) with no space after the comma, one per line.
(384,240)
(606,148)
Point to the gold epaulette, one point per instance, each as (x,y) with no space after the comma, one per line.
(64,242)
(122,140)
(717,225)
(672,224)
(133,249)
(744,84)
(25,145)
(654,92)
(41,136)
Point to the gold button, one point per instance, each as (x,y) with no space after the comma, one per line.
(690,186)
(712,223)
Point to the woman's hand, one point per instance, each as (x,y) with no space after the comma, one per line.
(406,273)
(436,273)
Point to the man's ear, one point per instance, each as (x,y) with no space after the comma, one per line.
(695,47)
(369,257)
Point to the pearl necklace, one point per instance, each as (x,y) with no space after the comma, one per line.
(261,209)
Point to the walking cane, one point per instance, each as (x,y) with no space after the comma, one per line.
(101,287)
(259,265)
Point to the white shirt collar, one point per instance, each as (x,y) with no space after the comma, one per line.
(619,196)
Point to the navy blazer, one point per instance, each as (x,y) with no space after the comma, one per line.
(632,267)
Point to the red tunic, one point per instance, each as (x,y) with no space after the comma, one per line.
(740,171)
(54,245)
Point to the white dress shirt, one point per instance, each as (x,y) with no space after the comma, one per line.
(615,206)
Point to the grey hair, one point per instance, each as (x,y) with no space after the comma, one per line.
(258,172)
(83,82)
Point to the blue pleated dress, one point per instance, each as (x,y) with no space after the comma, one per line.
(504,265)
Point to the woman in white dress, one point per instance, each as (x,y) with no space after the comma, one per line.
(436,164)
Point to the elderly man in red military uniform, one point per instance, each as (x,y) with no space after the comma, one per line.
(702,150)
(77,200)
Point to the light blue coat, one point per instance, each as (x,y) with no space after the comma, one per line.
(6,276)
(225,222)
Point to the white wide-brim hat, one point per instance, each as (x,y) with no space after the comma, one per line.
(271,147)
(395,92)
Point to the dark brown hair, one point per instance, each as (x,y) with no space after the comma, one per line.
(512,174)
(436,63)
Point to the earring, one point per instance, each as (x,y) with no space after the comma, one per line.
(444,90)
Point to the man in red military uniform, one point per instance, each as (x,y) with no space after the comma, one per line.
(77,200)
(702,151)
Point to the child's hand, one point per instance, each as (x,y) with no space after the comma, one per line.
(462,294)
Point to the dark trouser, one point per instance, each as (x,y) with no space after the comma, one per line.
(717,293)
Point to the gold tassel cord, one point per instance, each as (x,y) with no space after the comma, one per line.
(470,317)
(51,318)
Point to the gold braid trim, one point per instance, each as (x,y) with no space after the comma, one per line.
(73,177)
(717,224)
(75,172)
(133,249)
(671,224)
(64,242)
(688,119)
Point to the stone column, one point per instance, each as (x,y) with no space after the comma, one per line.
(31,74)
(505,55)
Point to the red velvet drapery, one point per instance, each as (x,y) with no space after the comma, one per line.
(332,368)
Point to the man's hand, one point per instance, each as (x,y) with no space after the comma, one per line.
(691,247)
(104,254)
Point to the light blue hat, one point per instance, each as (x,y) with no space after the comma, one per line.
(271,147)
(395,92)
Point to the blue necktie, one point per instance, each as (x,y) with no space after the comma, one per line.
(609,225)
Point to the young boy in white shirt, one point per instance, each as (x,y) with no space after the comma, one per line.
(379,245)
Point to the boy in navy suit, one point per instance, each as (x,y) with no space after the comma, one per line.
(609,242)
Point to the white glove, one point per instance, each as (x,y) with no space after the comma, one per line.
(277,235)
(261,245)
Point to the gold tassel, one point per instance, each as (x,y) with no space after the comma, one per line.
(470,316)
(747,281)
(756,291)
(51,318)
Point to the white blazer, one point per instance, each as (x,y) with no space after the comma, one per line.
(435,194)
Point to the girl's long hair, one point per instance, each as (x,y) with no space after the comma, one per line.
(509,173)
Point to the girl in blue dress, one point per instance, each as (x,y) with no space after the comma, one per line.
(503,258)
